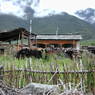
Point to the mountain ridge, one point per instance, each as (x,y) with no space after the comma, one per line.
(48,25)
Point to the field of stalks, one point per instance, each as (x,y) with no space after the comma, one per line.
(78,73)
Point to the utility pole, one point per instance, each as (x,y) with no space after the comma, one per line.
(30,26)
(30,33)
(57,31)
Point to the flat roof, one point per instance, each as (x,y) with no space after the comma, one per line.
(59,37)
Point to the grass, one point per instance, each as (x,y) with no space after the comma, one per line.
(88,43)
(53,62)
(8,61)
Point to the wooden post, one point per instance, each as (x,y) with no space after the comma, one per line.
(36,41)
(55,77)
(21,40)
(30,41)
(17,48)
(74,44)
(1,72)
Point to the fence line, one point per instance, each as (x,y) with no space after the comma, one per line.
(20,77)
(47,72)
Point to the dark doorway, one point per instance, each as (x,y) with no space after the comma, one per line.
(41,45)
(67,45)
(1,50)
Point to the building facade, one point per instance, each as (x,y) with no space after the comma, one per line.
(64,41)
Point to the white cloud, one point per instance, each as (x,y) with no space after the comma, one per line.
(45,6)
(9,7)
(69,6)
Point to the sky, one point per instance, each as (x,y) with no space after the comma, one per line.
(44,7)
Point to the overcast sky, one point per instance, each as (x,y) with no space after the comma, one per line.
(43,7)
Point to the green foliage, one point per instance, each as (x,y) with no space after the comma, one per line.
(90,77)
(52,63)
(88,43)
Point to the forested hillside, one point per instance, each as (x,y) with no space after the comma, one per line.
(66,24)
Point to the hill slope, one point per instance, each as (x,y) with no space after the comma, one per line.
(66,24)
(9,22)
(46,25)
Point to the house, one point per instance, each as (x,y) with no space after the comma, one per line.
(63,40)
(17,38)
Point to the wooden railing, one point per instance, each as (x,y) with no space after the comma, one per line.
(21,77)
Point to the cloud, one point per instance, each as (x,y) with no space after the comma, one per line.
(69,6)
(29,12)
(87,14)
(9,7)
(19,8)
(43,7)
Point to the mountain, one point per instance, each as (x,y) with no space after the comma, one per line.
(9,22)
(66,24)
(87,15)
(48,25)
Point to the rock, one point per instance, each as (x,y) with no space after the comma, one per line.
(40,89)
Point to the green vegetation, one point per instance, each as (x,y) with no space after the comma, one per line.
(88,43)
(18,73)
(8,61)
